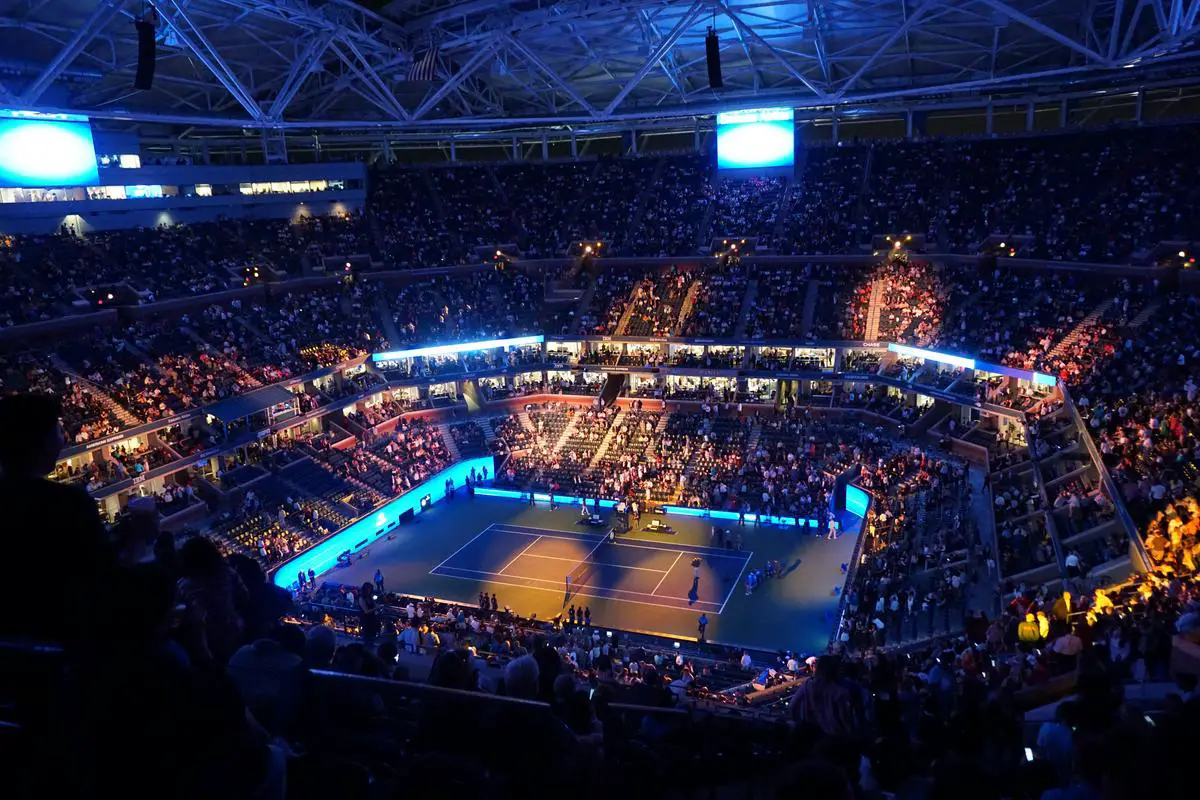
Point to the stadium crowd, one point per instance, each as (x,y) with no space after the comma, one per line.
(219,681)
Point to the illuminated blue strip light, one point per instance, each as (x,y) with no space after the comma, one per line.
(708,513)
(1038,378)
(358,535)
(564,499)
(857,501)
(460,347)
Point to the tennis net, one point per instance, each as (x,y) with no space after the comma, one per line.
(580,573)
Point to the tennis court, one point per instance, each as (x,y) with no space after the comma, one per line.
(643,582)
(629,571)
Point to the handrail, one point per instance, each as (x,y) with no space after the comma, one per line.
(1141,557)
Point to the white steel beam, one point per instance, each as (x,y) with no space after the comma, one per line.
(385,101)
(373,77)
(894,37)
(555,78)
(473,63)
(1044,29)
(301,68)
(173,13)
(664,47)
(92,26)
(791,69)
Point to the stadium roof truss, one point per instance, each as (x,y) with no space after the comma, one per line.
(505,64)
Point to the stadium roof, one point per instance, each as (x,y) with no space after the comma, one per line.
(504,64)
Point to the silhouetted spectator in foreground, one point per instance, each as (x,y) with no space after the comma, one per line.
(49,529)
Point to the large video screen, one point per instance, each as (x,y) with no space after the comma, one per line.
(762,137)
(46,150)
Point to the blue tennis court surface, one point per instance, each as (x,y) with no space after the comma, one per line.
(648,573)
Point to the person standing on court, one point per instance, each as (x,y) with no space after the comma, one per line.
(703,625)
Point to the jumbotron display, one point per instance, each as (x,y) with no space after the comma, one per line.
(47,150)
(762,137)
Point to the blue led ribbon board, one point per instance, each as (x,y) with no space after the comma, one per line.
(459,347)
(857,501)
(357,535)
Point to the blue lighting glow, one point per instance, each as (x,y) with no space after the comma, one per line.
(460,347)
(40,151)
(1042,379)
(857,501)
(733,516)
(760,138)
(562,499)
(930,355)
(357,535)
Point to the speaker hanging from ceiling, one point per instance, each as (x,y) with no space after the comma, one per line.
(144,77)
(712,54)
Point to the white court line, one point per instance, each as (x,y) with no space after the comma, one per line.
(518,555)
(737,582)
(665,574)
(699,549)
(597,563)
(499,526)
(465,546)
(581,592)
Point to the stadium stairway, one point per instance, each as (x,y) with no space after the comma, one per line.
(383,313)
(754,437)
(627,314)
(497,185)
(811,293)
(250,380)
(526,422)
(440,208)
(448,439)
(685,308)
(119,411)
(606,442)
(1145,314)
(875,310)
(150,360)
(1091,319)
(739,330)
(250,326)
(567,433)
(702,238)
(489,433)
(645,197)
(571,218)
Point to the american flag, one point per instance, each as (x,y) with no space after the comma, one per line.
(424,69)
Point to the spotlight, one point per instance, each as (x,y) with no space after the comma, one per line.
(1002,245)
(498,254)
(587,249)
(1183,254)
